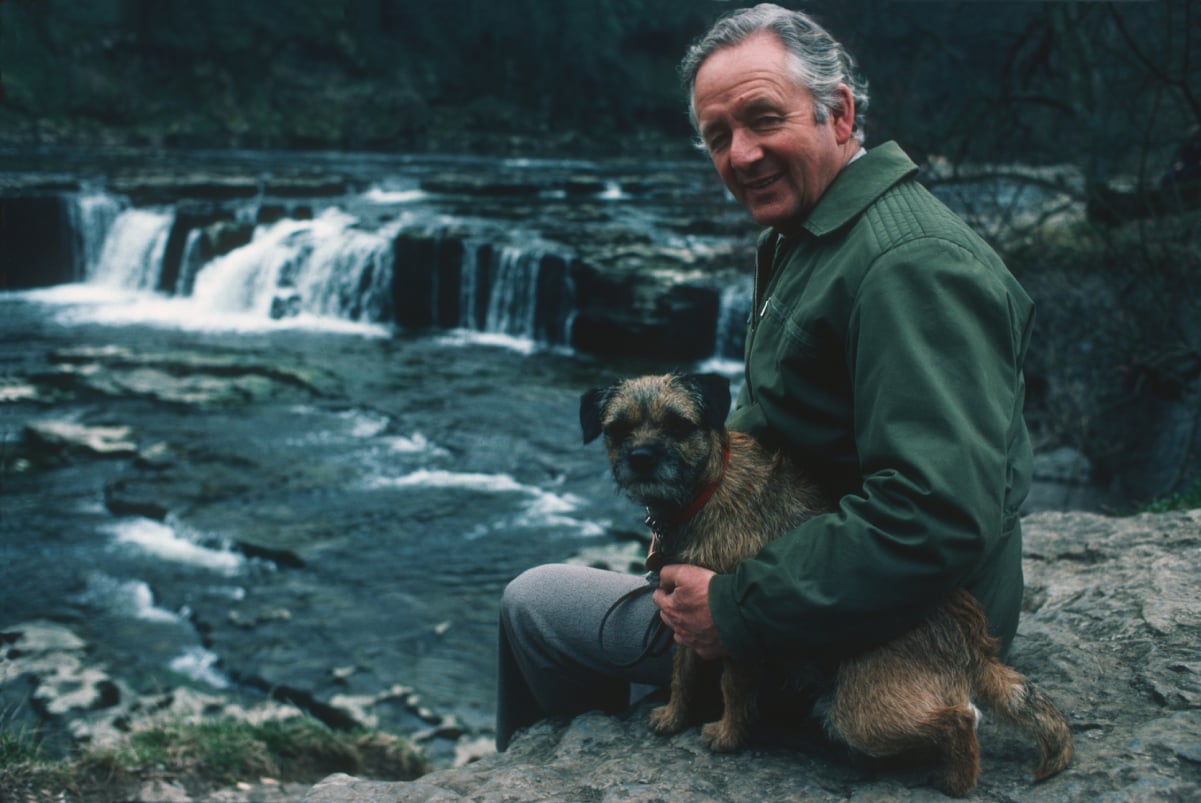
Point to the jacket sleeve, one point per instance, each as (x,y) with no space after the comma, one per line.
(933,352)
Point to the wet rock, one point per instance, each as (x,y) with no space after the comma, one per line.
(73,693)
(161,189)
(33,250)
(70,438)
(476,184)
(177,377)
(1110,631)
(1063,479)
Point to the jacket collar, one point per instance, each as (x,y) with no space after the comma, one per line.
(857,186)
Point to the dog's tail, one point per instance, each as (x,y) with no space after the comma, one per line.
(1009,694)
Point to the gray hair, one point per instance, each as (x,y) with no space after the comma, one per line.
(820,62)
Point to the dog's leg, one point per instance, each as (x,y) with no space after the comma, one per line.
(896,700)
(738,693)
(676,715)
(953,729)
(1007,693)
(1016,700)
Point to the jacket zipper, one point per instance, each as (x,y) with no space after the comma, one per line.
(759,307)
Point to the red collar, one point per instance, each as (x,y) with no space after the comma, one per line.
(705,495)
(662,550)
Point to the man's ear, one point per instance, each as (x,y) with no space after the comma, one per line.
(842,113)
(714,390)
(591,404)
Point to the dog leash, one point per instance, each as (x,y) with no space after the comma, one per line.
(656,639)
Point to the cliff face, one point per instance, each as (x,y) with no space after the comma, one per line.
(1110,631)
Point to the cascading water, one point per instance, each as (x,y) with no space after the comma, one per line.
(733,313)
(514,298)
(323,267)
(350,263)
(191,262)
(131,257)
(92,215)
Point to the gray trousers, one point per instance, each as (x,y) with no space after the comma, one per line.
(552,658)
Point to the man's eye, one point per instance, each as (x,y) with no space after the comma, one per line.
(767,121)
(717,141)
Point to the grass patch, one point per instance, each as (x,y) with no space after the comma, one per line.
(203,757)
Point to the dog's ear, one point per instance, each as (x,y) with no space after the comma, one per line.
(714,390)
(591,404)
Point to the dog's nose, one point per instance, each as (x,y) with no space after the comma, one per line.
(642,460)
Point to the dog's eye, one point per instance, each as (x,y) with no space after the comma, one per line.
(617,430)
(679,426)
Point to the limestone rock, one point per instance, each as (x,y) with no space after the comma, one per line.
(1110,631)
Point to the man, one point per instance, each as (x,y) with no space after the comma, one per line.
(884,353)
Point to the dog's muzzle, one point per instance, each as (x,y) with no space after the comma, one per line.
(643,461)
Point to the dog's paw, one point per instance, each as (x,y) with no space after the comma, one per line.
(667,720)
(721,737)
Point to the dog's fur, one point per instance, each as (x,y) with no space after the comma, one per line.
(666,441)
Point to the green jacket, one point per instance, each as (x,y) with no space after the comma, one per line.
(885,353)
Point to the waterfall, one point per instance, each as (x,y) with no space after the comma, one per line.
(514,299)
(522,291)
(469,284)
(732,316)
(92,215)
(190,263)
(335,266)
(324,267)
(131,257)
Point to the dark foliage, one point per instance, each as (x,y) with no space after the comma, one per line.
(1111,85)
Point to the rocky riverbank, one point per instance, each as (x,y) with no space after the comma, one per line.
(1111,630)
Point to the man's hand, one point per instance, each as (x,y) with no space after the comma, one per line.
(683,600)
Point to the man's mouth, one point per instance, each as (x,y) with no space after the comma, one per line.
(760,184)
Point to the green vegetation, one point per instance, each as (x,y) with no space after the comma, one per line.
(1189,499)
(1098,84)
(202,757)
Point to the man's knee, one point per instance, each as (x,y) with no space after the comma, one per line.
(529,590)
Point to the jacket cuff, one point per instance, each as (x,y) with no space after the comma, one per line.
(735,635)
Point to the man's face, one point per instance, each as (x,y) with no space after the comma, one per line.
(758,125)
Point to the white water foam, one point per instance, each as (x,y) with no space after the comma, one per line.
(544,508)
(132,598)
(467,337)
(200,665)
(415,444)
(163,542)
(109,306)
(378,195)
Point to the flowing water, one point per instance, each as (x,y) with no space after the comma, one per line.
(335,503)
(327,501)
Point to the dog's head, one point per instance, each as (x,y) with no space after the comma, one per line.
(663,433)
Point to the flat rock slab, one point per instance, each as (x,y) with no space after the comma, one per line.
(1111,632)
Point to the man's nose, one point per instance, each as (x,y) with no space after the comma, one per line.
(744,148)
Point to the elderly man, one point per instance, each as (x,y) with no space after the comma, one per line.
(884,353)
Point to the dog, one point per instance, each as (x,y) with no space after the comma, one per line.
(714,498)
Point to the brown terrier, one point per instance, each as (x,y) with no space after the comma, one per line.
(714,498)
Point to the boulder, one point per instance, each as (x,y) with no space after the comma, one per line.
(1110,631)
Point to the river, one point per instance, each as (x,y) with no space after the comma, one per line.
(321,502)
(351,392)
